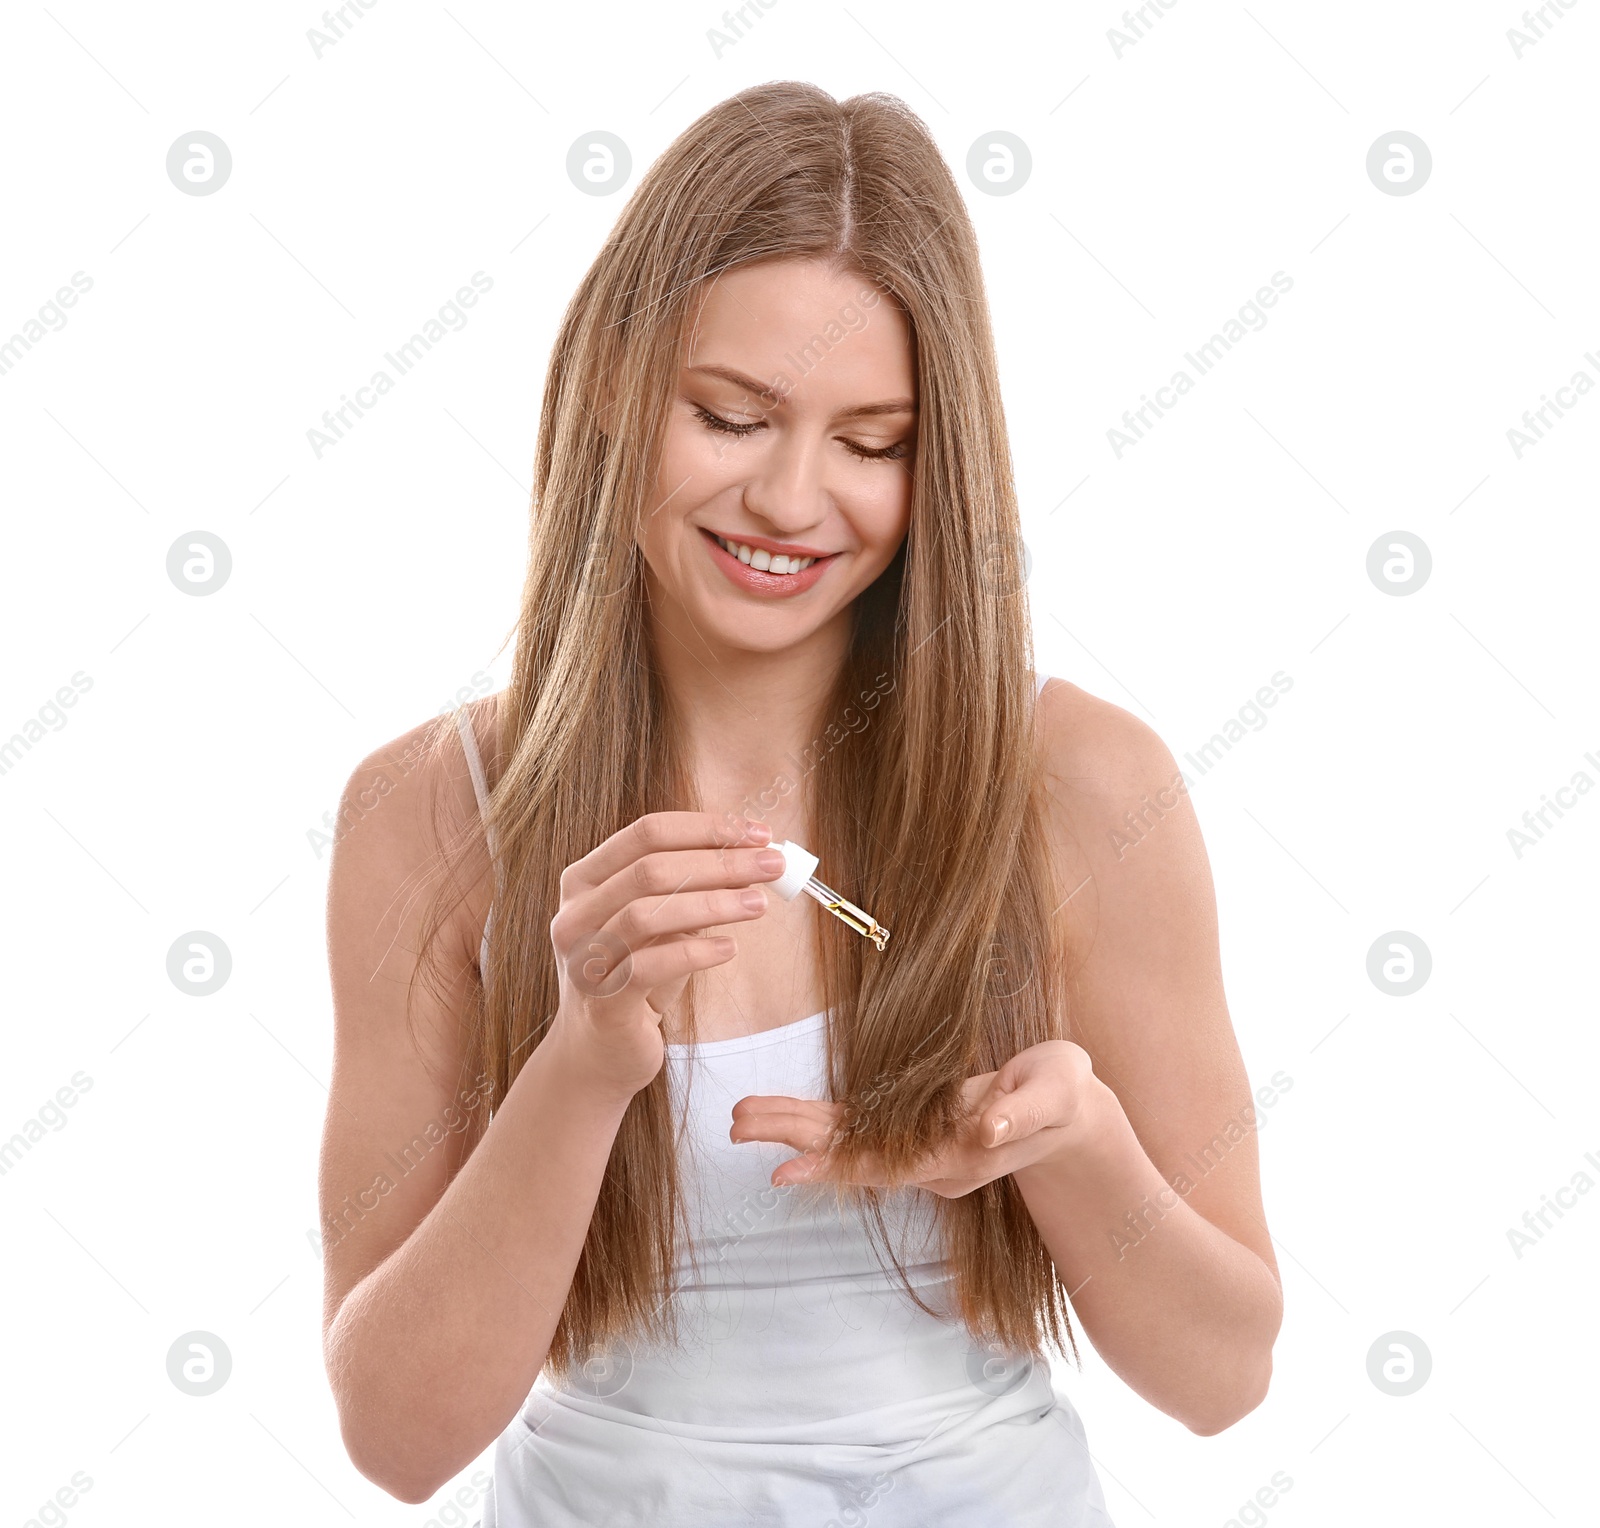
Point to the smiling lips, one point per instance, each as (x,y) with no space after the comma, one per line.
(757,570)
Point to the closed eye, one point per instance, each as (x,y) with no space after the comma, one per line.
(727,426)
(723,426)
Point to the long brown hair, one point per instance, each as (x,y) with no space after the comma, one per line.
(932,814)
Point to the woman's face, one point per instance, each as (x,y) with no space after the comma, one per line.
(791,437)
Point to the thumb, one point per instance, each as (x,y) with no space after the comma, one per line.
(1018,1103)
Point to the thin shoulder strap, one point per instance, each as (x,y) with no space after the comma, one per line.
(480,783)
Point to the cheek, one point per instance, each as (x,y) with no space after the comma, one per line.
(677,456)
(686,477)
(695,463)
(885,517)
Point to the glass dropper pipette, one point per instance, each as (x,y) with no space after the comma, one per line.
(799,863)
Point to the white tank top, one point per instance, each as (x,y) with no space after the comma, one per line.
(807,1389)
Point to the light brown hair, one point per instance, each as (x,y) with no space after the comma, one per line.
(931,814)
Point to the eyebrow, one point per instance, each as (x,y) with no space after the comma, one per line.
(766,394)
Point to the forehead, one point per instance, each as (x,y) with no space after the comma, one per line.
(801,319)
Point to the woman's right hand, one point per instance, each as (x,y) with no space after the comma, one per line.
(625,937)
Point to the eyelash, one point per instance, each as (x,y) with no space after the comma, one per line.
(712,421)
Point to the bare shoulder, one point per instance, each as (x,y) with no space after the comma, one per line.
(1138,916)
(426,765)
(1110,780)
(406,805)
(411,794)
(1084,726)
(408,808)
(1138,920)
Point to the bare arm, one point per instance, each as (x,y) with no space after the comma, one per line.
(1153,1212)
(444,1279)
(443,1288)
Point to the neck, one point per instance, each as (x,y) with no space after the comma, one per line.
(747,717)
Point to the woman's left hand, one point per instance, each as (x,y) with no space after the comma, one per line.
(1040,1105)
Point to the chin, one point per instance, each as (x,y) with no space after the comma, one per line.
(759,630)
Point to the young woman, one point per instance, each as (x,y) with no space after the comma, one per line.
(705,1208)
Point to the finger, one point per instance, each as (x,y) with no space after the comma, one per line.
(646,919)
(662,881)
(652,833)
(1036,1089)
(809,1167)
(975,1090)
(601,969)
(866,1171)
(955,1188)
(824,1167)
(1017,1112)
(812,1122)
(760,1103)
(802,1132)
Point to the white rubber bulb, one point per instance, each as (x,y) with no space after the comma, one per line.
(799,865)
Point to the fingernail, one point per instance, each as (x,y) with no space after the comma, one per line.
(759,831)
(1002,1127)
(754,898)
(769,859)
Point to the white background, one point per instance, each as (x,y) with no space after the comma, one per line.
(368,587)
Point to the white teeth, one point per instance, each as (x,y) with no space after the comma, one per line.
(767,562)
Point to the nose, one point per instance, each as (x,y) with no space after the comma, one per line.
(785,487)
